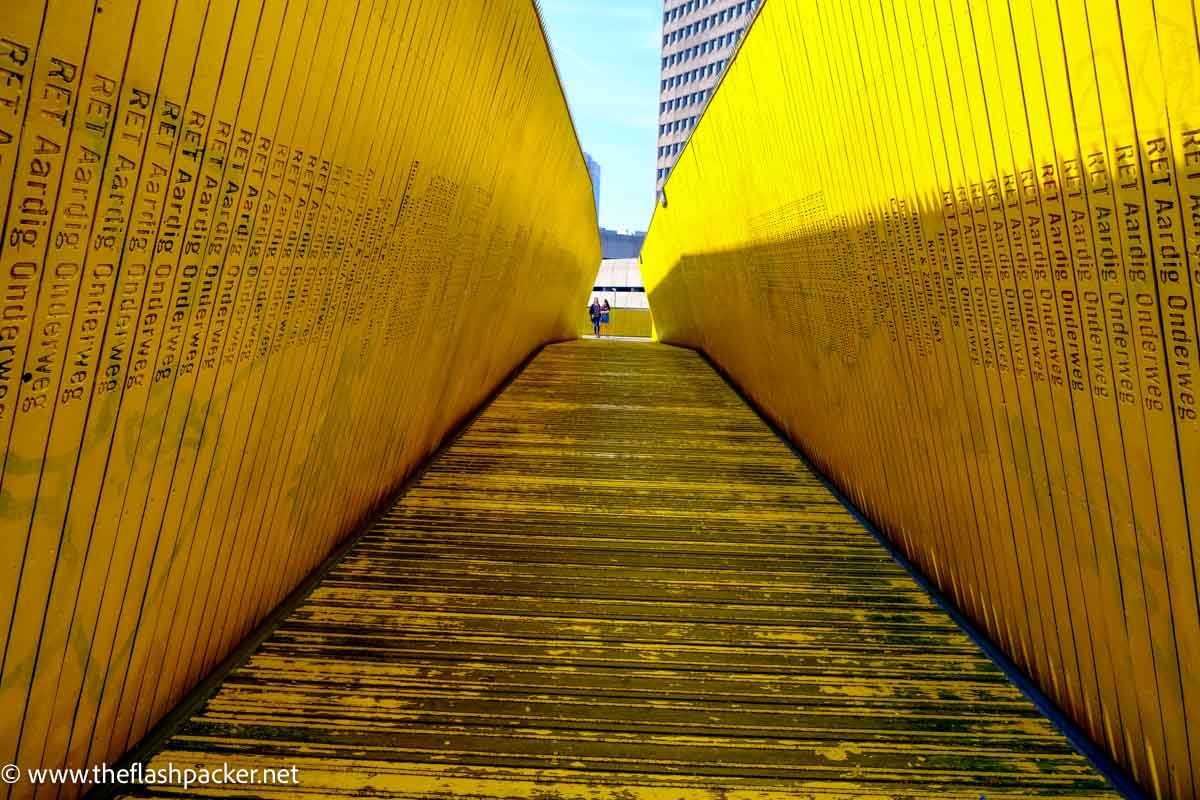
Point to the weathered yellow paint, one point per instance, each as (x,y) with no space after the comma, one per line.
(951,248)
(258,257)
(619,583)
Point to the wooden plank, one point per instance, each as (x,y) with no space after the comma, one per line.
(622,618)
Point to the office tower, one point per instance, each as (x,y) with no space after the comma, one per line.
(699,38)
(594,172)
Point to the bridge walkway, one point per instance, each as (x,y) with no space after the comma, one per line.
(618,583)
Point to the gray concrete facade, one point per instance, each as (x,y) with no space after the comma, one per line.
(593,168)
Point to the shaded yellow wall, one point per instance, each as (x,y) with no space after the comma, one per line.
(952,249)
(622,322)
(249,278)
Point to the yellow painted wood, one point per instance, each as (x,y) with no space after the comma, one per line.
(251,251)
(622,322)
(959,266)
(618,583)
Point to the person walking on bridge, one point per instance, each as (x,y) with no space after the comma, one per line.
(605,311)
(595,311)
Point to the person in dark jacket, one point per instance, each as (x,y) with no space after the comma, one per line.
(595,312)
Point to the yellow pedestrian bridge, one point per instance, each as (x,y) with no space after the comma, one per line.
(308,488)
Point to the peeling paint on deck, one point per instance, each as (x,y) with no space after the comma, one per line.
(619,585)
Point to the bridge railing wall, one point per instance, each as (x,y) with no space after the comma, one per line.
(954,250)
(258,258)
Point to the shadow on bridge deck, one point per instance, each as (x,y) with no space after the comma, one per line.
(618,583)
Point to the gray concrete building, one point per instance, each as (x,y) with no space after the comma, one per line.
(594,172)
(614,244)
(699,38)
(619,281)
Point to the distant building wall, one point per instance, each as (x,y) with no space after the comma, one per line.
(621,245)
(619,281)
(699,38)
(594,171)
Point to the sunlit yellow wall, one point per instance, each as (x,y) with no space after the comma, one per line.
(953,248)
(622,322)
(258,258)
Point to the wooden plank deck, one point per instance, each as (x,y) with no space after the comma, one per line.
(618,584)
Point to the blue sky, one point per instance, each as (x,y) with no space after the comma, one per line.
(608,55)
